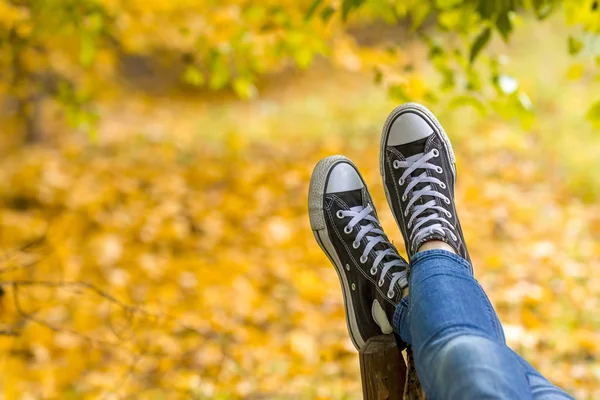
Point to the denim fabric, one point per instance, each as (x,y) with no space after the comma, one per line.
(457,339)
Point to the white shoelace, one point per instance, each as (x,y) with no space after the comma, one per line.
(412,163)
(374,236)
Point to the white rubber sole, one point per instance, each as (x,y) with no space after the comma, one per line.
(316,192)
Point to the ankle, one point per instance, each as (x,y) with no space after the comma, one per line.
(436,245)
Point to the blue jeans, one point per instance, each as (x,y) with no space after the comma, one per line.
(457,340)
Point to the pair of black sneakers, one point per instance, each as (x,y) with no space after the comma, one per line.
(418,169)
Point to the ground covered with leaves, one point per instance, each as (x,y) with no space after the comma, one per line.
(157,265)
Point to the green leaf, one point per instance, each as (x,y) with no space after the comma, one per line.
(435,50)
(473,80)
(446,4)
(327,13)
(418,14)
(219,70)
(303,57)
(94,22)
(543,8)
(87,50)
(312,9)
(575,72)
(349,5)
(193,76)
(470,101)
(398,93)
(448,81)
(219,78)
(593,114)
(378,75)
(486,8)
(575,45)
(451,19)
(480,42)
(504,26)
(244,87)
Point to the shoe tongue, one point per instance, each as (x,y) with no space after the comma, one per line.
(352,198)
(412,148)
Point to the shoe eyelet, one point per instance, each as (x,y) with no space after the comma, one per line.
(409,225)
(442,185)
(396,164)
(380,283)
(403,197)
(446,200)
(363,259)
(448,214)
(406,213)
(347,230)
(390,294)
(373,270)
(439,170)
(453,236)
(435,152)
(401,181)
(347,267)
(353,286)
(355,245)
(339,214)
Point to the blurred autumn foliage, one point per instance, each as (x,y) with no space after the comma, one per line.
(167,254)
(73,53)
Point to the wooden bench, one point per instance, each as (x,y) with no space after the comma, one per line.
(384,373)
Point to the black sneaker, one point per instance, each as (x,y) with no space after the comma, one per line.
(345,224)
(418,168)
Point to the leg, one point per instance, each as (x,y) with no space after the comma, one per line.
(456,337)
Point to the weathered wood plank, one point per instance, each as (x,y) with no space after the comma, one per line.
(382,369)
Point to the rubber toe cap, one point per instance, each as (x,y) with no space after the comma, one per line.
(342,178)
(407,128)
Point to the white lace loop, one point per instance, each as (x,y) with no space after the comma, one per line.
(417,220)
(374,236)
